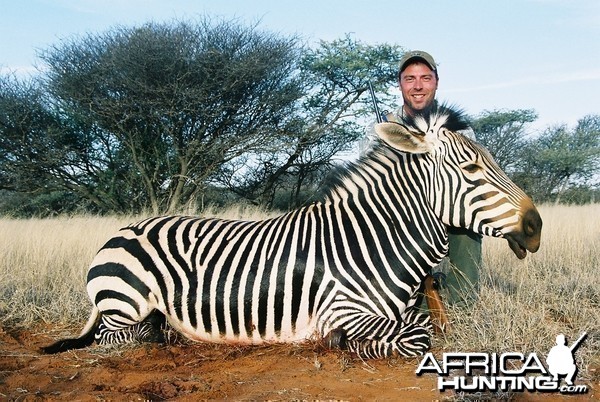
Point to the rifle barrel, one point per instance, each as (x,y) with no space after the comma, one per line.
(375,106)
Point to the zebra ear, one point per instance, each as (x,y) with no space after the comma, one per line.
(401,138)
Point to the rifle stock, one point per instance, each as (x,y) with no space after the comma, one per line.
(437,310)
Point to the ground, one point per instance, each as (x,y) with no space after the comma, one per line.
(183,371)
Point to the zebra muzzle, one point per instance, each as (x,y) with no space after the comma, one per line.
(528,237)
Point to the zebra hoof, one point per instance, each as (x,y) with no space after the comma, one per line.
(336,339)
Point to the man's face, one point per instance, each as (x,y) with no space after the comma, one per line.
(418,84)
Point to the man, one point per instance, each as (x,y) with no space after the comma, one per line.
(418,80)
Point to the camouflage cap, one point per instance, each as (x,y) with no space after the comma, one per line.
(409,57)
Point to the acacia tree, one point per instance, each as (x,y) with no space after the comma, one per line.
(144,117)
(176,100)
(502,132)
(560,158)
(48,155)
(325,121)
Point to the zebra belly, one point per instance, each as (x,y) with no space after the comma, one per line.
(302,333)
(244,309)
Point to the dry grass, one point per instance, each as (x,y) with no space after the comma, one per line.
(523,305)
(43,265)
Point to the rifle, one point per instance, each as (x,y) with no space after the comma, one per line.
(437,310)
(380,117)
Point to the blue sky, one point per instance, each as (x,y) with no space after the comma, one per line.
(492,54)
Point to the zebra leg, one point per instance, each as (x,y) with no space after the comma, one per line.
(149,330)
(372,336)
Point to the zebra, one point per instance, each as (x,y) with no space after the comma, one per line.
(346,269)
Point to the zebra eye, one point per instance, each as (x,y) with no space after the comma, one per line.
(472,167)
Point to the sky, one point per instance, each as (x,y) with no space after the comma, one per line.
(491,54)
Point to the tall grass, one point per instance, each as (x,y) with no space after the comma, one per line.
(43,264)
(523,304)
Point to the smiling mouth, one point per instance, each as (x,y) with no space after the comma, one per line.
(419,98)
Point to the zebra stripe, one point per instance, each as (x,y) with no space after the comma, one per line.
(347,268)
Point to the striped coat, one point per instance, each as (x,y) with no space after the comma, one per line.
(347,268)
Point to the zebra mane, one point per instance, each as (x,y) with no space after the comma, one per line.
(442,115)
(334,179)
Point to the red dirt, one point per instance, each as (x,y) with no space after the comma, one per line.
(183,371)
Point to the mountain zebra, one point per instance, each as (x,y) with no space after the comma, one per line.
(346,269)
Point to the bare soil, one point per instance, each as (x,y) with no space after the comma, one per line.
(182,371)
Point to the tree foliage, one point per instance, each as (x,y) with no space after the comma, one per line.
(503,133)
(549,166)
(175,101)
(42,154)
(159,116)
(324,123)
(149,117)
(561,158)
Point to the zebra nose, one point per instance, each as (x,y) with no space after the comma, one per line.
(532,228)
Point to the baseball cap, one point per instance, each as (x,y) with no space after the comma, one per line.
(417,54)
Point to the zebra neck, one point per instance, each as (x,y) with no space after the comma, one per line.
(384,201)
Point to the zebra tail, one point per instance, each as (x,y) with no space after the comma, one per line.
(86,338)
